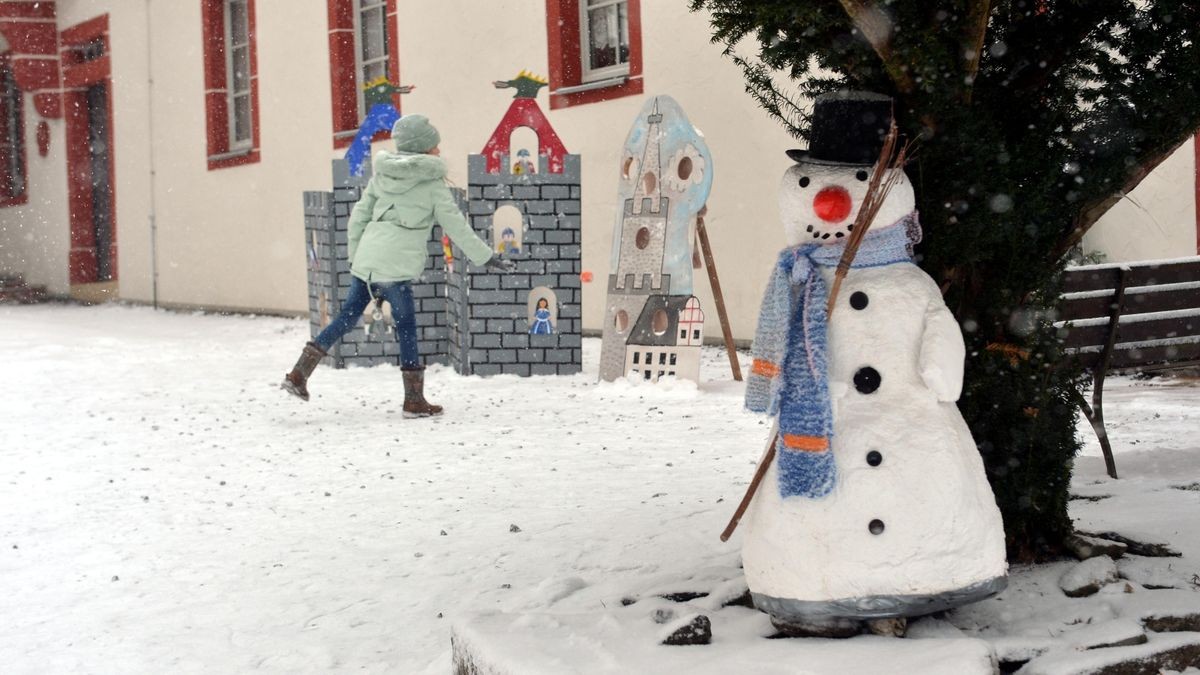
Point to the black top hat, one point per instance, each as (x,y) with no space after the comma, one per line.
(848,127)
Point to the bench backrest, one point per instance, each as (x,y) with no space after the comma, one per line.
(1159,323)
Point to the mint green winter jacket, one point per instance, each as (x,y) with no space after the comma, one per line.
(389,227)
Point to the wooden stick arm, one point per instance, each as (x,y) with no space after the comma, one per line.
(763,464)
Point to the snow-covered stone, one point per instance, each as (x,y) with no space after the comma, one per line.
(1173,622)
(1115,633)
(621,640)
(1154,573)
(1138,546)
(1088,577)
(694,629)
(1168,651)
(1084,547)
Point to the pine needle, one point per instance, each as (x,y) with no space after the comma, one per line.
(890,164)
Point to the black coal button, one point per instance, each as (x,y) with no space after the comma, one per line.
(867,380)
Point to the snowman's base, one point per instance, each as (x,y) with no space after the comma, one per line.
(824,628)
(789,611)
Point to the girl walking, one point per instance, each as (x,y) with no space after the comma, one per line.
(388,232)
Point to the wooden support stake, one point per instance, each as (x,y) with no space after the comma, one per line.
(1095,413)
(711,265)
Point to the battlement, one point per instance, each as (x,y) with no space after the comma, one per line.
(664,205)
(646,287)
(477,173)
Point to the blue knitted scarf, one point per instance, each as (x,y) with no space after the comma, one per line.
(789,377)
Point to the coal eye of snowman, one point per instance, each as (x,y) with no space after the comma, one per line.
(804,181)
(861,175)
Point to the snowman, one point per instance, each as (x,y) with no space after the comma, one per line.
(876,506)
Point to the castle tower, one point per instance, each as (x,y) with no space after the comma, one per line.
(653,324)
(497,323)
(639,269)
(644,222)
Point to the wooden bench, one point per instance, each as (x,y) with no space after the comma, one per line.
(1129,317)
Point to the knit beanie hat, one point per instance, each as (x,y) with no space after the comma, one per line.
(414,133)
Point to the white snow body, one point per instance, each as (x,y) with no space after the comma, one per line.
(942,531)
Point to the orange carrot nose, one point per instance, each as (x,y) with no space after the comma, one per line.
(832,204)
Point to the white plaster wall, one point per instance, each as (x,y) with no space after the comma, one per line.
(233,237)
(226,238)
(452,62)
(1158,220)
(35,236)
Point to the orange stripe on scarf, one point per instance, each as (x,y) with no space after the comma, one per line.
(805,443)
(764,368)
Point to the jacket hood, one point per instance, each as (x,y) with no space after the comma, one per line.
(399,172)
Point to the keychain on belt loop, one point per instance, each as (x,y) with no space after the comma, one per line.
(377,312)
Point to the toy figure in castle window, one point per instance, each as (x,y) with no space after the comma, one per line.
(523,166)
(876,507)
(541,319)
(508,242)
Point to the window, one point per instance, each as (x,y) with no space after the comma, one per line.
(635,357)
(604,43)
(362,48)
(12,139)
(231,82)
(594,50)
(237,68)
(371,37)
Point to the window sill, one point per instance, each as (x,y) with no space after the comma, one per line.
(595,92)
(343,139)
(19,200)
(228,159)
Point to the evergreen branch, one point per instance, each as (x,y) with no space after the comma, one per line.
(762,88)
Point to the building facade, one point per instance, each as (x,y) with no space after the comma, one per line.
(156,150)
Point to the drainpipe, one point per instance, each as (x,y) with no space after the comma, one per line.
(150,136)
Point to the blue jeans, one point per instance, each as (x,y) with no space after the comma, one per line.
(399,296)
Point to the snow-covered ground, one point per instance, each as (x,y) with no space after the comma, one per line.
(164,507)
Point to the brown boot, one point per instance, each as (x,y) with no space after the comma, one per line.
(415,404)
(296,382)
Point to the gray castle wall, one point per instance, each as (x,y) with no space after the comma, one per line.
(488,312)
(326,217)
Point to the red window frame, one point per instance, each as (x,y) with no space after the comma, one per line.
(77,75)
(1196,183)
(7,198)
(216,94)
(566,60)
(343,69)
